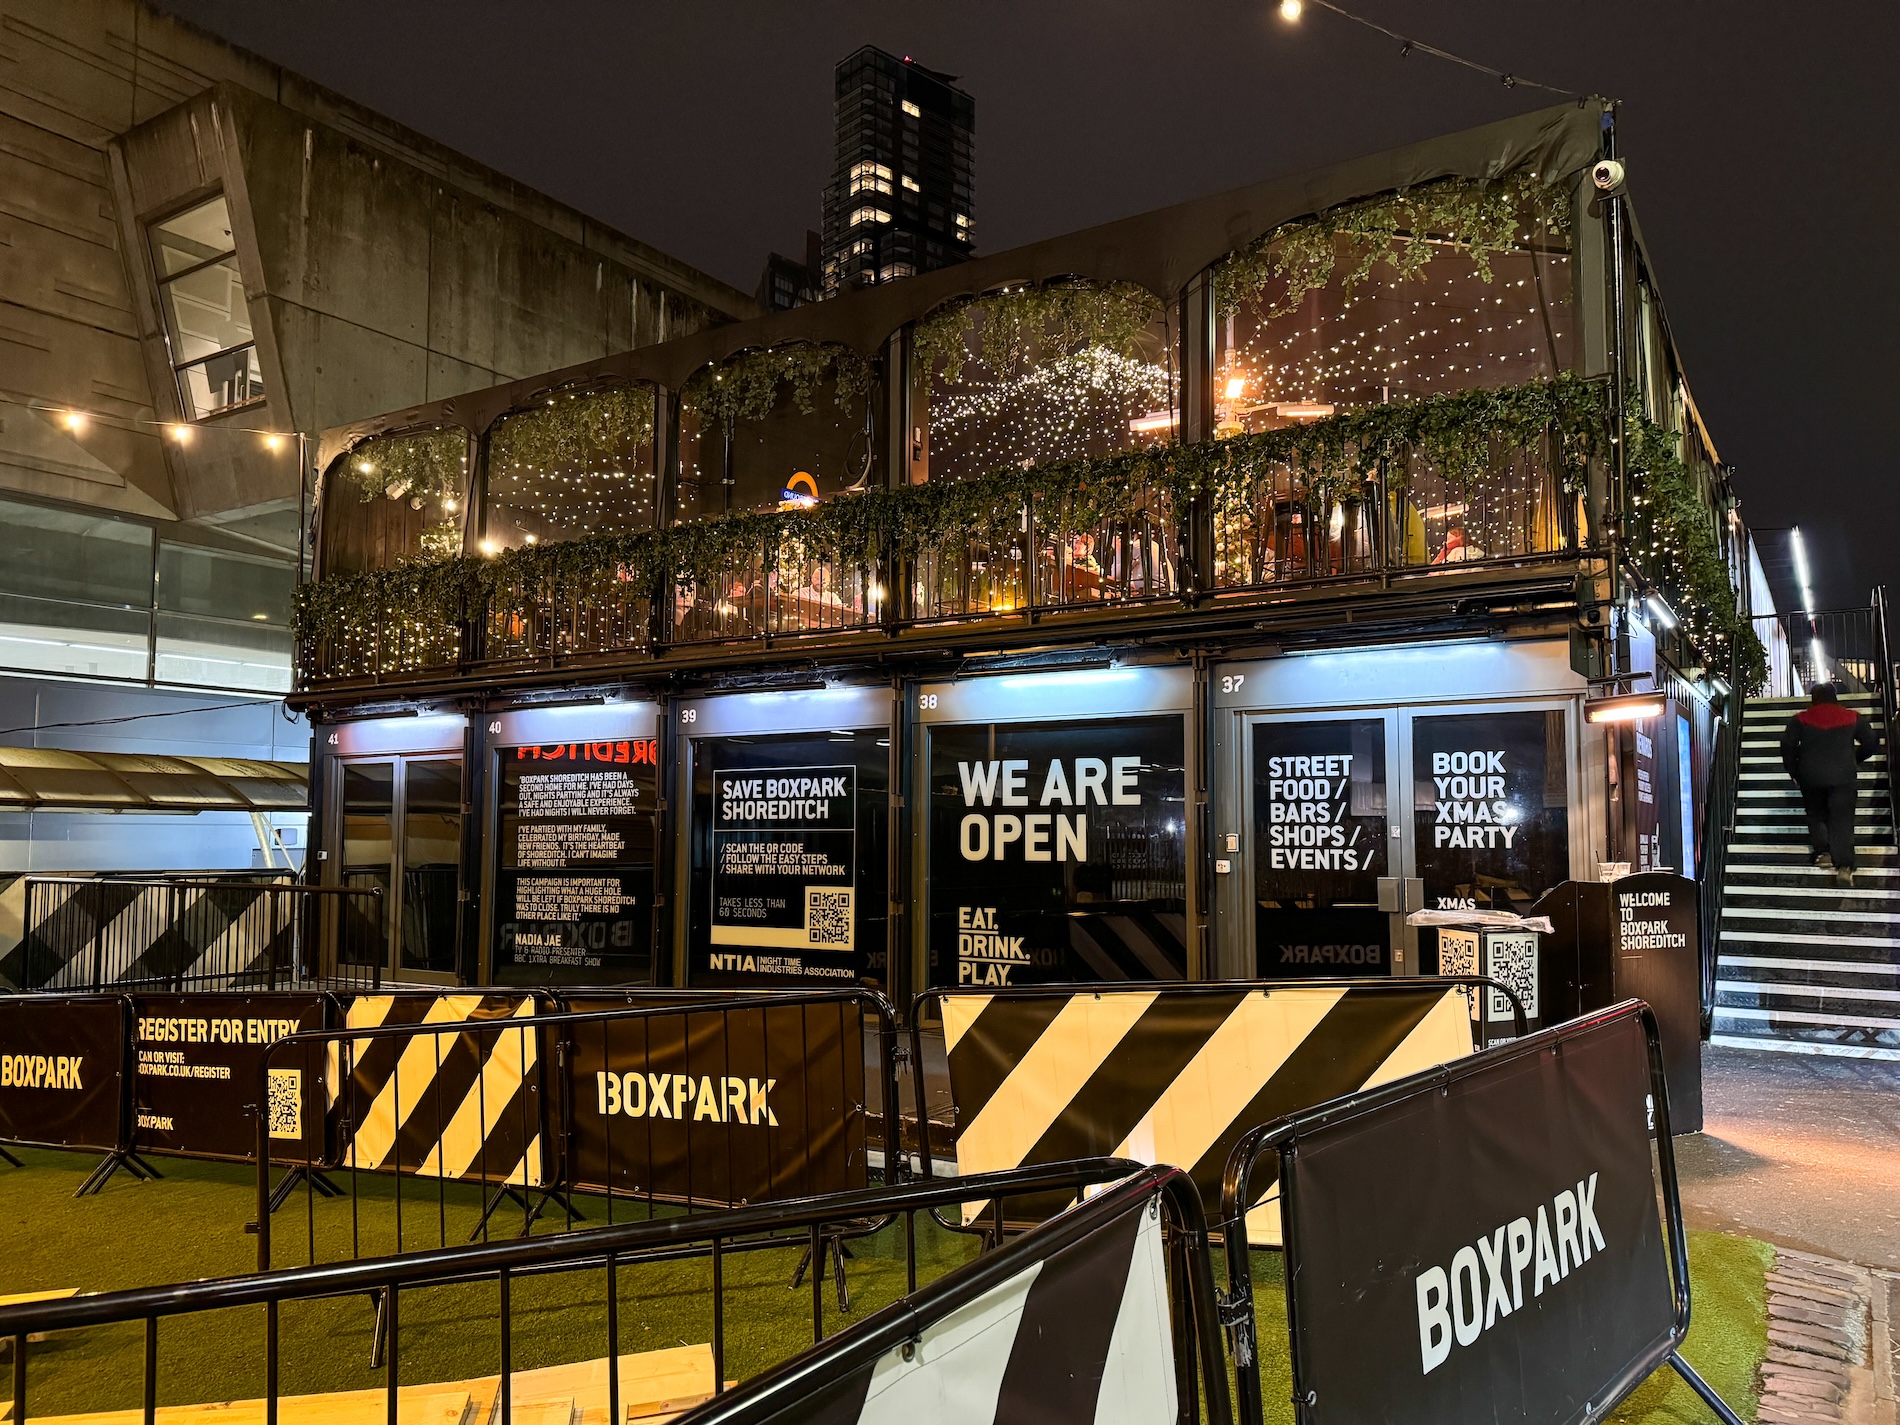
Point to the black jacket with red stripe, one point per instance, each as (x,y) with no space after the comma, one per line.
(1824,743)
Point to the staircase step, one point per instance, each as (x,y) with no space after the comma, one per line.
(1744,1037)
(1889,943)
(1797,846)
(1879,998)
(1809,914)
(1817,1019)
(1803,872)
(1789,968)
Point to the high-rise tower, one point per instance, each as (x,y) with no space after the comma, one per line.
(901,199)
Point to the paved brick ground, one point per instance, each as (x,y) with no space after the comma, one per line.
(1800,1150)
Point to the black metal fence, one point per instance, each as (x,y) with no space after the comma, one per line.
(713,1236)
(198,932)
(691,1098)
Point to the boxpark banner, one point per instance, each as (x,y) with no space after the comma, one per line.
(722,1104)
(199,1062)
(62,1070)
(1174,1075)
(1519,1275)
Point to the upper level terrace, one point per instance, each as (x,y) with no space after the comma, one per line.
(1391,380)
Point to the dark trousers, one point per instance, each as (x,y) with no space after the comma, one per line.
(1831,821)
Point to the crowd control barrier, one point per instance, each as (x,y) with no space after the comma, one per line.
(1081,1320)
(602,1253)
(252,932)
(64,1081)
(1174,1073)
(1478,1241)
(703,1102)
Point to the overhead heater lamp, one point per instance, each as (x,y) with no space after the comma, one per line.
(1625,707)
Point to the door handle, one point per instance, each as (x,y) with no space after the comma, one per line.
(1390,899)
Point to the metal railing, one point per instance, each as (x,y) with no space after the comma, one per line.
(509,1121)
(713,1236)
(1845,647)
(1718,827)
(188,932)
(1261,536)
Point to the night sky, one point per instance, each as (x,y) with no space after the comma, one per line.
(1761,140)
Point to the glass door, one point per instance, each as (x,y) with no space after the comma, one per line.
(431,863)
(368,860)
(1325,845)
(411,929)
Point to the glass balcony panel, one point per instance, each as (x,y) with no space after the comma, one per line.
(219,584)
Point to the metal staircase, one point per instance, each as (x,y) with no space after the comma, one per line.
(1805,965)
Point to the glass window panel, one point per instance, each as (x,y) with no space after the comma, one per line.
(49,636)
(1048,375)
(221,653)
(432,860)
(394,498)
(206,310)
(1087,882)
(746,452)
(60,554)
(1390,338)
(219,584)
(192,237)
(220,382)
(579,464)
(1491,808)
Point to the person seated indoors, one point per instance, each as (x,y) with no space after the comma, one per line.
(1082,552)
(1459,547)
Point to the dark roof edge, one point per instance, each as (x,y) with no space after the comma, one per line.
(1161,250)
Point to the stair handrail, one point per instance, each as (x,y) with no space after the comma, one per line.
(1883,678)
(1718,829)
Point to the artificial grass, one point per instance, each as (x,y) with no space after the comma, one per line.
(190,1224)
(1728,1335)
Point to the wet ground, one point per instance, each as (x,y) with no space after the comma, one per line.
(1801,1150)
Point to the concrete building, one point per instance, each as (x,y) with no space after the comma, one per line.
(202,255)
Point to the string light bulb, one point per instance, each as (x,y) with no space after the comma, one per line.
(179,433)
(1290,10)
(273,442)
(74,421)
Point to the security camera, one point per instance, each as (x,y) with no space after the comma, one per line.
(1608,176)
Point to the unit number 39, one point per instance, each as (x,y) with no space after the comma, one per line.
(689,715)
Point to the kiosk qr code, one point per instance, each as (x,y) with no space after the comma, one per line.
(286,1103)
(828,915)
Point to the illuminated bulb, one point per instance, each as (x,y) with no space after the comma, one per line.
(181,434)
(1236,384)
(448,506)
(75,422)
(363,467)
(527,539)
(488,547)
(273,442)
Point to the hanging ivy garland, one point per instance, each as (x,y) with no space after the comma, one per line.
(1050,322)
(1465,434)
(1476,216)
(580,428)
(745,387)
(428,465)
(1673,542)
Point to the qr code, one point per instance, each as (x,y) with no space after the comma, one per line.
(1511,960)
(286,1103)
(828,916)
(1458,955)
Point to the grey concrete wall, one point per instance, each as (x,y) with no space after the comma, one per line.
(384,268)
